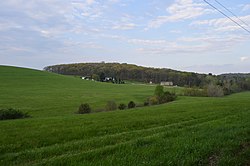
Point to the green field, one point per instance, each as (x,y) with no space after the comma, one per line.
(188,131)
(45,94)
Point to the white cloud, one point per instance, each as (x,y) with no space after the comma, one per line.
(126,22)
(44,26)
(89,2)
(7,25)
(124,26)
(214,39)
(176,31)
(51,18)
(147,42)
(246,7)
(174,48)
(244,58)
(179,11)
(114,1)
(91,45)
(185,45)
(223,24)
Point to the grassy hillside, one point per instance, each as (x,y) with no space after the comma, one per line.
(47,94)
(189,131)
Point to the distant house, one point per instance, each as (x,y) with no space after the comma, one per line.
(167,83)
(108,79)
(86,78)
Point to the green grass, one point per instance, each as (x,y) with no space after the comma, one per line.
(189,131)
(47,94)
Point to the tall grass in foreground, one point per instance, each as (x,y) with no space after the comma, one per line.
(190,131)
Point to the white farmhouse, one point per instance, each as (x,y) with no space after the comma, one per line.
(167,83)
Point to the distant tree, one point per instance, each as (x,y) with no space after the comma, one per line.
(102,76)
(110,106)
(131,104)
(129,72)
(195,92)
(214,91)
(153,100)
(96,77)
(167,97)
(84,109)
(159,90)
(143,74)
(210,79)
(160,96)
(245,85)
(12,113)
(122,106)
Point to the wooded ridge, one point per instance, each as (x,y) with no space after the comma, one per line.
(132,72)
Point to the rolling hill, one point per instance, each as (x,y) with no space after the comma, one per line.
(189,131)
(40,92)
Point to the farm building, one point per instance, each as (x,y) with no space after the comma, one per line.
(167,83)
(86,78)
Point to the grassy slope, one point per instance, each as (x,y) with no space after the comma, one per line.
(189,131)
(48,94)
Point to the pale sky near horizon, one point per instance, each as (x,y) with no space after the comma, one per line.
(184,35)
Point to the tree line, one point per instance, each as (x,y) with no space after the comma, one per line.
(128,72)
(229,83)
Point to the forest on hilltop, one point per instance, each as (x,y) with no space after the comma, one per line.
(230,82)
(129,72)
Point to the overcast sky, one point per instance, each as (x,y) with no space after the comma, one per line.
(179,34)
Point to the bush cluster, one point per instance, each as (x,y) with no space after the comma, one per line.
(153,100)
(195,92)
(211,90)
(12,113)
(131,104)
(84,108)
(160,97)
(214,91)
(111,106)
(167,97)
(122,106)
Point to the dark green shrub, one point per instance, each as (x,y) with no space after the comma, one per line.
(159,90)
(122,106)
(11,113)
(167,97)
(146,103)
(84,109)
(153,100)
(161,97)
(110,106)
(131,104)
